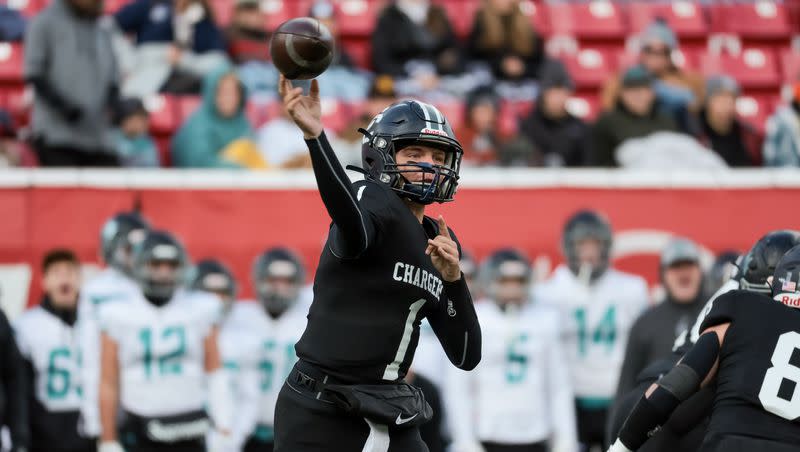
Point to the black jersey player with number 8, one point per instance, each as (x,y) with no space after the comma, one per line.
(384,267)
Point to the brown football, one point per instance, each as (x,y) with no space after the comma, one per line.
(302,48)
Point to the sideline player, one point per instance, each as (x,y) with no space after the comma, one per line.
(519,398)
(159,359)
(747,346)
(599,305)
(384,267)
(257,343)
(48,341)
(118,236)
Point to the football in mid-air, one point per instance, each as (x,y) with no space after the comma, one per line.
(302,48)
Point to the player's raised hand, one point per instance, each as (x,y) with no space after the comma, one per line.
(444,253)
(305,111)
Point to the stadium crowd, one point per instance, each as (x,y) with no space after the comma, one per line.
(558,349)
(189,83)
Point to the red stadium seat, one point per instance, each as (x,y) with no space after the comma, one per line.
(186,106)
(752,68)
(28,8)
(584,107)
(257,113)
(755,110)
(163,109)
(790,66)
(759,20)
(461,14)
(589,67)
(685,17)
(508,122)
(597,19)
(11,61)
(163,145)
(360,51)
(537,13)
(357,17)
(279,11)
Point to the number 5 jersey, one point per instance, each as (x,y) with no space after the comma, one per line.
(596,320)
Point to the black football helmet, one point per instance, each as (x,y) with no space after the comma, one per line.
(278,263)
(159,247)
(760,262)
(118,236)
(786,280)
(587,224)
(398,126)
(211,275)
(506,263)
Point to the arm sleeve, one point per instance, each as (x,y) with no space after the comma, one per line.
(354,228)
(36,68)
(456,325)
(15,373)
(562,401)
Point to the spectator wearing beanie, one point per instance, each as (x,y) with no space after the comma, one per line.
(782,144)
(679,92)
(634,116)
(720,130)
(479,133)
(560,138)
(134,144)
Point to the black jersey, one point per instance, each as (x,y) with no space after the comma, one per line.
(758,392)
(374,284)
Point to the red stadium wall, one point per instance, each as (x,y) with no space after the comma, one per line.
(234,223)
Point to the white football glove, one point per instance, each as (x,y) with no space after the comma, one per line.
(467,446)
(618,447)
(110,446)
(220,442)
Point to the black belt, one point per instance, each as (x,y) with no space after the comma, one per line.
(309,378)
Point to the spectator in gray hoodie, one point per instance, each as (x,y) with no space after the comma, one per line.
(69,61)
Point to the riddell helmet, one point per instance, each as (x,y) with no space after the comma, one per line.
(586,224)
(786,280)
(157,247)
(760,262)
(398,126)
(505,263)
(211,275)
(278,263)
(118,236)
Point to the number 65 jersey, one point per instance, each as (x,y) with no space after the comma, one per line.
(161,351)
(758,380)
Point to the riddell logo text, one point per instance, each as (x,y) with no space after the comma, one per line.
(789,300)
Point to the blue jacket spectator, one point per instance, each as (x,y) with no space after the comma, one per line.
(12,24)
(154,21)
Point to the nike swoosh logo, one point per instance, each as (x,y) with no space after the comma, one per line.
(401,421)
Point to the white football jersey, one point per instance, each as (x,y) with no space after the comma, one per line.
(596,320)
(266,350)
(520,392)
(52,347)
(430,360)
(108,286)
(161,351)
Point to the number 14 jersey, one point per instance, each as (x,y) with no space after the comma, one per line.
(596,321)
(758,381)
